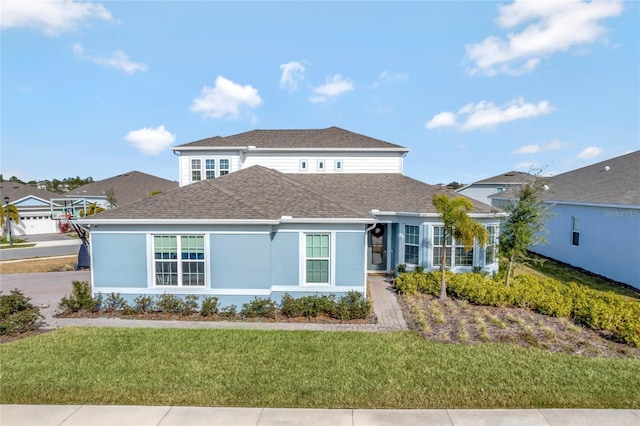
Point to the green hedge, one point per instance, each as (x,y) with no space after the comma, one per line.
(595,309)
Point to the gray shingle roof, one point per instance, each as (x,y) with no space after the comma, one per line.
(259,193)
(332,137)
(128,187)
(620,184)
(16,191)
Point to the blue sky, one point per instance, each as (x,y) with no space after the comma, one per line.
(474,89)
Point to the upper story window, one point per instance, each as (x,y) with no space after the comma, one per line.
(575,231)
(213,168)
(304,165)
(338,165)
(321,165)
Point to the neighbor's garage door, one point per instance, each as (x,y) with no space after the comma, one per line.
(30,225)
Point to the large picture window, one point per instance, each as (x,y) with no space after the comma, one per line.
(317,258)
(411,244)
(461,256)
(179,260)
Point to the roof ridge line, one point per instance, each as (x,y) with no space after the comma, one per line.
(212,182)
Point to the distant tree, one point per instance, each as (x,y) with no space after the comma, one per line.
(15,179)
(525,224)
(91,209)
(454,185)
(456,223)
(111,198)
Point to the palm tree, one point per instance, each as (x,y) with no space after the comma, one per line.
(14,214)
(456,223)
(92,209)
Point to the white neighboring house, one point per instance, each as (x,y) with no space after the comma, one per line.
(34,207)
(596,218)
(330,150)
(482,189)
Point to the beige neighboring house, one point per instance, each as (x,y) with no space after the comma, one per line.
(127,188)
(34,206)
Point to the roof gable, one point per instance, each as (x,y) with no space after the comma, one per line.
(329,138)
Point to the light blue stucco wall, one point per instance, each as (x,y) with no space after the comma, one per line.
(609,241)
(119,260)
(284,258)
(350,259)
(239,261)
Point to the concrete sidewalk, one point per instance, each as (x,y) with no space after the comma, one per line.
(96,415)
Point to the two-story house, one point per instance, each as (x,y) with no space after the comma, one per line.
(269,212)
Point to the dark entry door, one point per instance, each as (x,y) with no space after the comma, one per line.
(377,248)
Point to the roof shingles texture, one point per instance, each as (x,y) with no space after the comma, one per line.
(259,193)
(332,137)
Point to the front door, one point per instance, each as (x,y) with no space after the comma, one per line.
(377,248)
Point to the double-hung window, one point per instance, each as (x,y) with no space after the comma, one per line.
(438,235)
(179,260)
(196,169)
(491,251)
(210,168)
(411,244)
(224,166)
(317,258)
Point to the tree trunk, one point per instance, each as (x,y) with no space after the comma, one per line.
(443,282)
(511,259)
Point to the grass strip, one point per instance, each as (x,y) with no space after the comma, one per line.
(302,369)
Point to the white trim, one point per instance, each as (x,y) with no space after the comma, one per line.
(200,232)
(178,221)
(302,261)
(587,204)
(335,165)
(202,291)
(179,261)
(497,214)
(255,149)
(304,165)
(321,165)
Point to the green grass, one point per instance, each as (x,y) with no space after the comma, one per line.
(302,369)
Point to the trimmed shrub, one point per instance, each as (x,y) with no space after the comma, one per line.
(352,306)
(169,304)
(115,302)
(290,306)
(80,299)
(259,308)
(229,311)
(17,314)
(143,304)
(189,305)
(209,306)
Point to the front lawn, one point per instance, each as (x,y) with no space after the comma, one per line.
(302,369)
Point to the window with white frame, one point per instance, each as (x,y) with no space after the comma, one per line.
(304,165)
(575,231)
(491,251)
(196,169)
(338,165)
(438,235)
(317,258)
(178,260)
(209,168)
(321,165)
(411,244)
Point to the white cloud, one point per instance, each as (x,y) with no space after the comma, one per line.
(151,141)
(292,74)
(526,165)
(391,78)
(528,149)
(118,60)
(50,17)
(444,119)
(535,148)
(335,86)
(226,98)
(590,152)
(553,26)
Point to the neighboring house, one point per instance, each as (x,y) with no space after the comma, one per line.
(127,188)
(258,232)
(34,206)
(482,189)
(331,150)
(596,218)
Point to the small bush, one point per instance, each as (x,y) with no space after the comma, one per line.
(209,306)
(259,308)
(229,311)
(80,299)
(352,306)
(169,304)
(114,302)
(189,305)
(291,307)
(17,314)
(143,304)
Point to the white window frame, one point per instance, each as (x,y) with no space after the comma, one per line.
(203,170)
(321,165)
(304,165)
(575,231)
(406,243)
(304,258)
(492,242)
(338,165)
(179,261)
(452,247)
